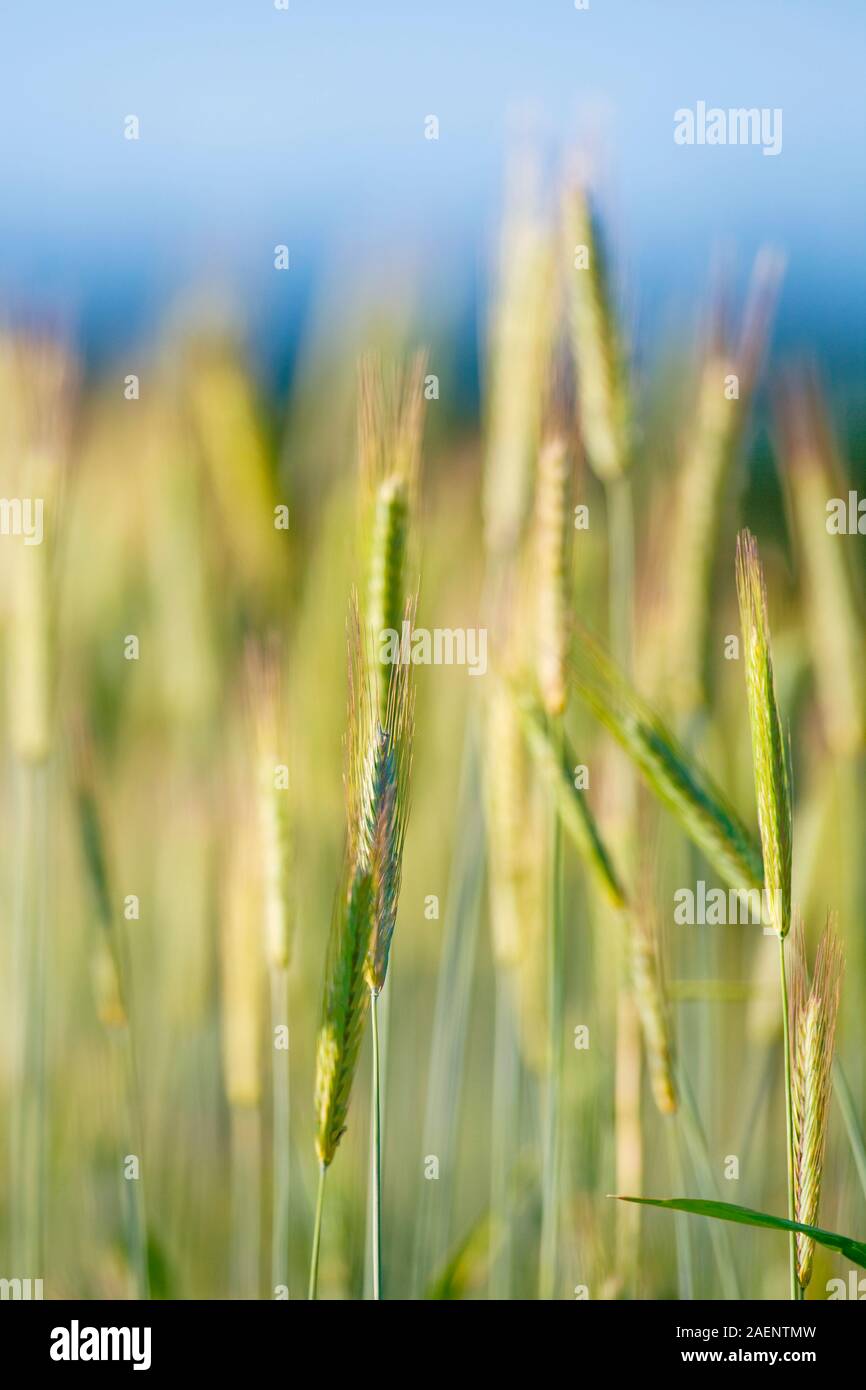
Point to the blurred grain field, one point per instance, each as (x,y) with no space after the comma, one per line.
(543,1047)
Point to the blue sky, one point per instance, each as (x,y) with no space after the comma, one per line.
(261,126)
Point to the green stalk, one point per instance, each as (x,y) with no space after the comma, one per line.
(547,1276)
(317,1235)
(377,1152)
(796,1291)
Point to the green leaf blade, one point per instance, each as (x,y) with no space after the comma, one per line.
(853,1250)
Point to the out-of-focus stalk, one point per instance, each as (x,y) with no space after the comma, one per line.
(227,425)
(814,476)
(267,716)
(241,978)
(521,337)
(552,533)
(36,384)
(727,378)
(605,412)
(113,993)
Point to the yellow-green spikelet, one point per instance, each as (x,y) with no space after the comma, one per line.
(386,591)
(814,1012)
(386,815)
(769,753)
(551,559)
(596,344)
(344,1009)
(652,1011)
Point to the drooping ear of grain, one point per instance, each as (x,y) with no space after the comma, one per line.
(555,765)
(672,774)
(596,342)
(652,1007)
(556,768)
(769,749)
(814,1010)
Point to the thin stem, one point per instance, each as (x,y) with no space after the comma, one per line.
(685,1271)
(377,1153)
(620,528)
(553,1104)
(451,1018)
(136,1207)
(852,1124)
(136,1203)
(29,948)
(505,1138)
(796,1291)
(245,1201)
(693,1132)
(280,1076)
(628,1066)
(317,1235)
(383,1020)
